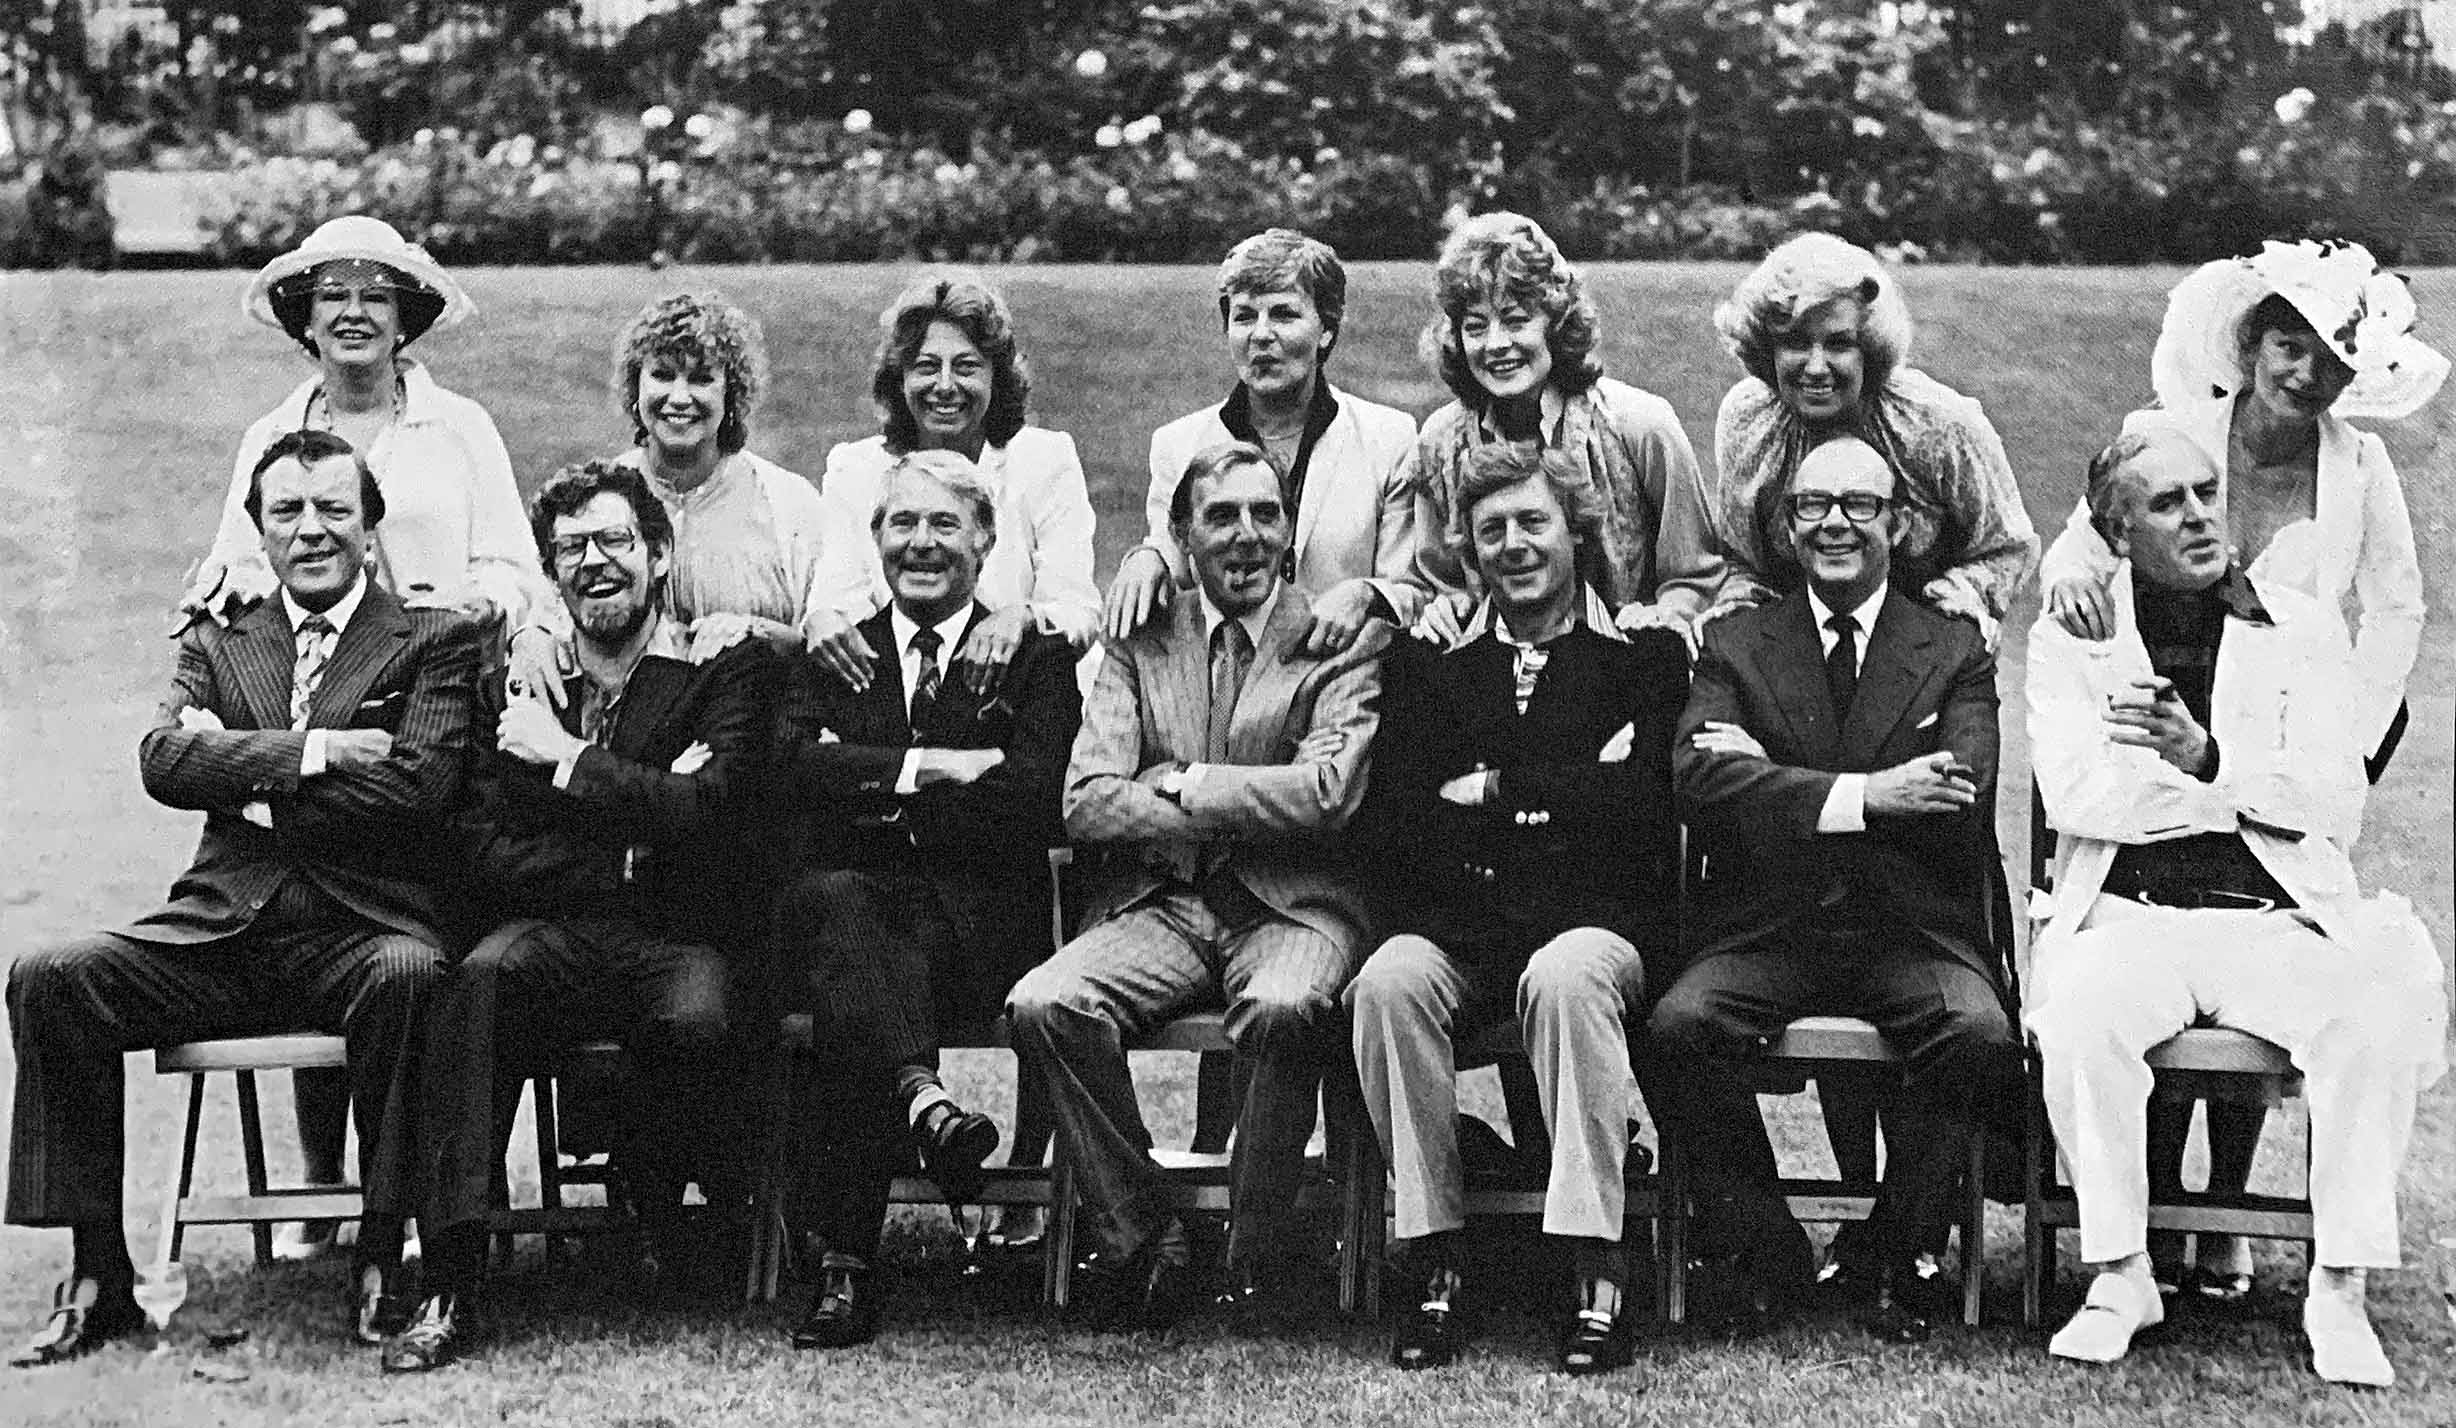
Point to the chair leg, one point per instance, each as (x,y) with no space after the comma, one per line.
(767,1209)
(1974,1233)
(1057,1245)
(1671,1224)
(251,1149)
(2037,1242)
(1523,1100)
(174,1232)
(549,1152)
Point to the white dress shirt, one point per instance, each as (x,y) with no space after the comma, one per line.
(1846,803)
(950,635)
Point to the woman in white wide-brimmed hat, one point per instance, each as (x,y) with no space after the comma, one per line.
(2260,362)
(354,294)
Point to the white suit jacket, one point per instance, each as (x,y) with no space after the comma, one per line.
(1356,519)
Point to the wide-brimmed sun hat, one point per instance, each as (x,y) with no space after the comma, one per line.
(2365,314)
(358,238)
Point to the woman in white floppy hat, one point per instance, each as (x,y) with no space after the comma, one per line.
(2261,361)
(354,294)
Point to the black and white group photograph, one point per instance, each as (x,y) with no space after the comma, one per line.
(1200,712)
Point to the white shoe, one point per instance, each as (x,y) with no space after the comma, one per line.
(2119,1305)
(299,1241)
(2344,1348)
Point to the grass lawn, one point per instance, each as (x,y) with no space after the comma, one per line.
(127,393)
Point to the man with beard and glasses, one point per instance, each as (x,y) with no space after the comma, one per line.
(1524,840)
(324,733)
(1838,767)
(615,847)
(934,801)
(1217,761)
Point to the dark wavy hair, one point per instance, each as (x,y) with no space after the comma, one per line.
(1279,258)
(567,490)
(691,327)
(1211,463)
(1508,259)
(973,308)
(293,301)
(310,446)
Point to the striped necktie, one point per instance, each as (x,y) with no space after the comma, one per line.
(925,682)
(312,657)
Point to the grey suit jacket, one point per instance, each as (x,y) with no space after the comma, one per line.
(1148,713)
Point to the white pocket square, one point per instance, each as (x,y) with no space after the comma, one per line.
(1930,719)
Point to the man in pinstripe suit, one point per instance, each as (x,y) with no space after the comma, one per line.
(1216,759)
(324,735)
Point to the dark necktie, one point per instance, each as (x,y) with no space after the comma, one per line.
(1842,664)
(925,643)
(310,667)
(1231,650)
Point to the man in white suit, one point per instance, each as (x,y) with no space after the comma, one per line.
(2204,775)
(1282,299)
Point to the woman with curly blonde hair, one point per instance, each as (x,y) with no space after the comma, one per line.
(1825,336)
(1515,342)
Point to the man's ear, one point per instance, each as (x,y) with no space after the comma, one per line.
(660,560)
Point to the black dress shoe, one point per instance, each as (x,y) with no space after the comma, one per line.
(1149,1290)
(434,1336)
(1909,1300)
(1732,1294)
(1845,1285)
(85,1315)
(1430,1335)
(845,1312)
(955,1144)
(381,1302)
(1594,1342)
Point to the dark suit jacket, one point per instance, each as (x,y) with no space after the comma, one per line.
(1927,683)
(684,853)
(379,839)
(984,844)
(1567,841)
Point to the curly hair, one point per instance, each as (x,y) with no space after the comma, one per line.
(1499,465)
(695,327)
(1508,259)
(971,307)
(567,490)
(293,299)
(1283,258)
(1801,275)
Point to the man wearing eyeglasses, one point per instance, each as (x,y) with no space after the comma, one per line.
(616,854)
(935,803)
(1837,764)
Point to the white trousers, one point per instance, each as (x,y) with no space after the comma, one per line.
(1573,1001)
(2134,975)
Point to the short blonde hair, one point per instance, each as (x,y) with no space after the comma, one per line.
(1800,276)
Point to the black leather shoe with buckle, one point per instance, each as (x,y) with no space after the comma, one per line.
(85,1315)
(1593,1341)
(1430,1335)
(845,1312)
(434,1337)
(955,1144)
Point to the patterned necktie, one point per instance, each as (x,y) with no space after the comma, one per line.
(1842,664)
(309,668)
(925,643)
(1232,649)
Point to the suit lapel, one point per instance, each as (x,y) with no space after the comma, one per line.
(263,653)
(1890,677)
(1794,669)
(375,634)
(885,697)
(1180,700)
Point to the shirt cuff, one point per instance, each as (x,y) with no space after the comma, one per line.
(259,813)
(311,759)
(909,781)
(1846,805)
(563,768)
(1190,780)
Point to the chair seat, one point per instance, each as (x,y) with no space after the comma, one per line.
(2221,1048)
(1831,1038)
(251,1053)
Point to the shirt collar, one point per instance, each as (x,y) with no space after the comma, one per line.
(1865,614)
(950,630)
(1590,612)
(338,616)
(668,639)
(1237,413)
(1255,620)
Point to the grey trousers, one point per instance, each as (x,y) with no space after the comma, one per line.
(1411,1004)
(1072,1017)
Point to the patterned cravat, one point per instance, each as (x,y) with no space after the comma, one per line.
(1232,649)
(925,643)
(1842,664)
(312,656)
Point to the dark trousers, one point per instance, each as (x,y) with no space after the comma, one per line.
(533,989)
(1946,1021)
(887,970)
(306,964)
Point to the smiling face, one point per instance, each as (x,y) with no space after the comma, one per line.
(947,389)
(1508,346)
(1277,341)
(314,528)
(606,570)
(1845,558)
(1819,366)
(2295,375)
(1235,535)
(681,403)
(2174,525)
(1524,549)
(354,316)
(931,544)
